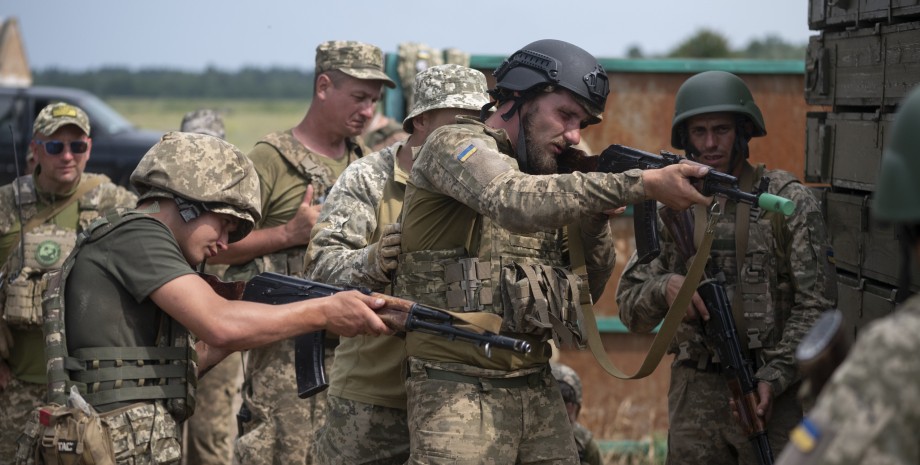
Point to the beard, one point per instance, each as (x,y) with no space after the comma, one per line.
(539,159)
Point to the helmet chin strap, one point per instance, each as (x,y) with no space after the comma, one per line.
(520,148)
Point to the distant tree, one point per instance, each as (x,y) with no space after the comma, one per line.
(704,44)
(772,47)
(634,51)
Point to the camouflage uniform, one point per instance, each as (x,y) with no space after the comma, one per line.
(210,432)
(589,452)
(24,197)
(466,192)
(366,422)
(788,282)
(869,410)
(282,425)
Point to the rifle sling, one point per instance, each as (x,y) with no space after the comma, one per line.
(742,233)
(52,210)
(669,325)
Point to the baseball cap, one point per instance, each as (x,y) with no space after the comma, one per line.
(447,86)
(356,59)
(57,115)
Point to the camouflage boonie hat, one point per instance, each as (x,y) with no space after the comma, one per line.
(447,86)
(204,121)
(205,169)
(565,374)
(58,115)
(356,59)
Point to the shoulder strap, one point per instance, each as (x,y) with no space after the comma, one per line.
(51,210)
(669,325)
(749,175)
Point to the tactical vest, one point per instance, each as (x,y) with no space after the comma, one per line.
(167,371)
(42,249)
(290,261)
(520,277)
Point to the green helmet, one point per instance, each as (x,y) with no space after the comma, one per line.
(205,170)
(564,374)
(898,189)
(712,92)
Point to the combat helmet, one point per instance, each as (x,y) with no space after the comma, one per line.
(711,92)
(564,374)
(548,63)
(447,86)
(898,189)
(204,172)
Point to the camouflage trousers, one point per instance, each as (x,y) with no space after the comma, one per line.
(461,414)
(211,430)
(702,429)
(17,401)
(282,425)
(358,432)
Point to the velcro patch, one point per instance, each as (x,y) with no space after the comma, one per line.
(64,110)
(466,153)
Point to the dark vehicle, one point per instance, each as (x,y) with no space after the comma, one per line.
(117,144)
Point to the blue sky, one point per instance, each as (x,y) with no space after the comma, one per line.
(194,34)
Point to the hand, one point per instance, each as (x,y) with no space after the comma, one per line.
(6,340)
(696,309)
(298,228)
(386,251)
(670,185)
(350,313)
(765,406)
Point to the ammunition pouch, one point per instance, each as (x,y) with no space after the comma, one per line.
(22,299)
(57,435)
(544,299)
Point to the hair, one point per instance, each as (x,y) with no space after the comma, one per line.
(335,76)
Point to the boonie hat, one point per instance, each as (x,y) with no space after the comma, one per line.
(356,59)
(447,86)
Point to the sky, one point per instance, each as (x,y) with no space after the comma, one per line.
(195,34)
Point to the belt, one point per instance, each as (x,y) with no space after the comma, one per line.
(530,380)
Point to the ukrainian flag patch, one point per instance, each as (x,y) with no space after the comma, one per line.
(805,436)
(466,153)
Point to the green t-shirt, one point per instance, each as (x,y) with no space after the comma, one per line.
(121,269)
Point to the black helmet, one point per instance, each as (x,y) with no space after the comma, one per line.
(552,62)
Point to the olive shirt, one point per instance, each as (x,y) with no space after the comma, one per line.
(366,197)
(27,360)
(464,171)
(869,411)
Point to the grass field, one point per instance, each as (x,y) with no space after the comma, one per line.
(246,120)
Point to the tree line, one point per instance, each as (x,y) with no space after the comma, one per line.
(284,83)
(255,83)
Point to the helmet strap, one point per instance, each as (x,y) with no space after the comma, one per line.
(189,210)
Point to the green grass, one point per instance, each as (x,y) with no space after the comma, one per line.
(246,121)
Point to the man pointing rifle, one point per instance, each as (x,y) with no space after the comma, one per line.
(777,276)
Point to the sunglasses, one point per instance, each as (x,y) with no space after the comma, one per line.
(56,147)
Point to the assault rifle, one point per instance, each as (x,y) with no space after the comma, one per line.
(737,365)
(619,158)
(398,314)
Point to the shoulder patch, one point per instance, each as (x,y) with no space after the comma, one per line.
(805,436)
(466,153)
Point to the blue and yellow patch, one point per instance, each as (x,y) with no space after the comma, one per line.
(805,436)
(466,153)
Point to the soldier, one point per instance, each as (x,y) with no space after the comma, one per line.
(589,453)
(788,281)
(197,194)
(356,241)
(210,432)
(40,217)
(481,233)
(869,412)
(295,167)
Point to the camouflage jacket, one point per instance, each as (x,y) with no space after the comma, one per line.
(869,412)
(338,252)
(788,280)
